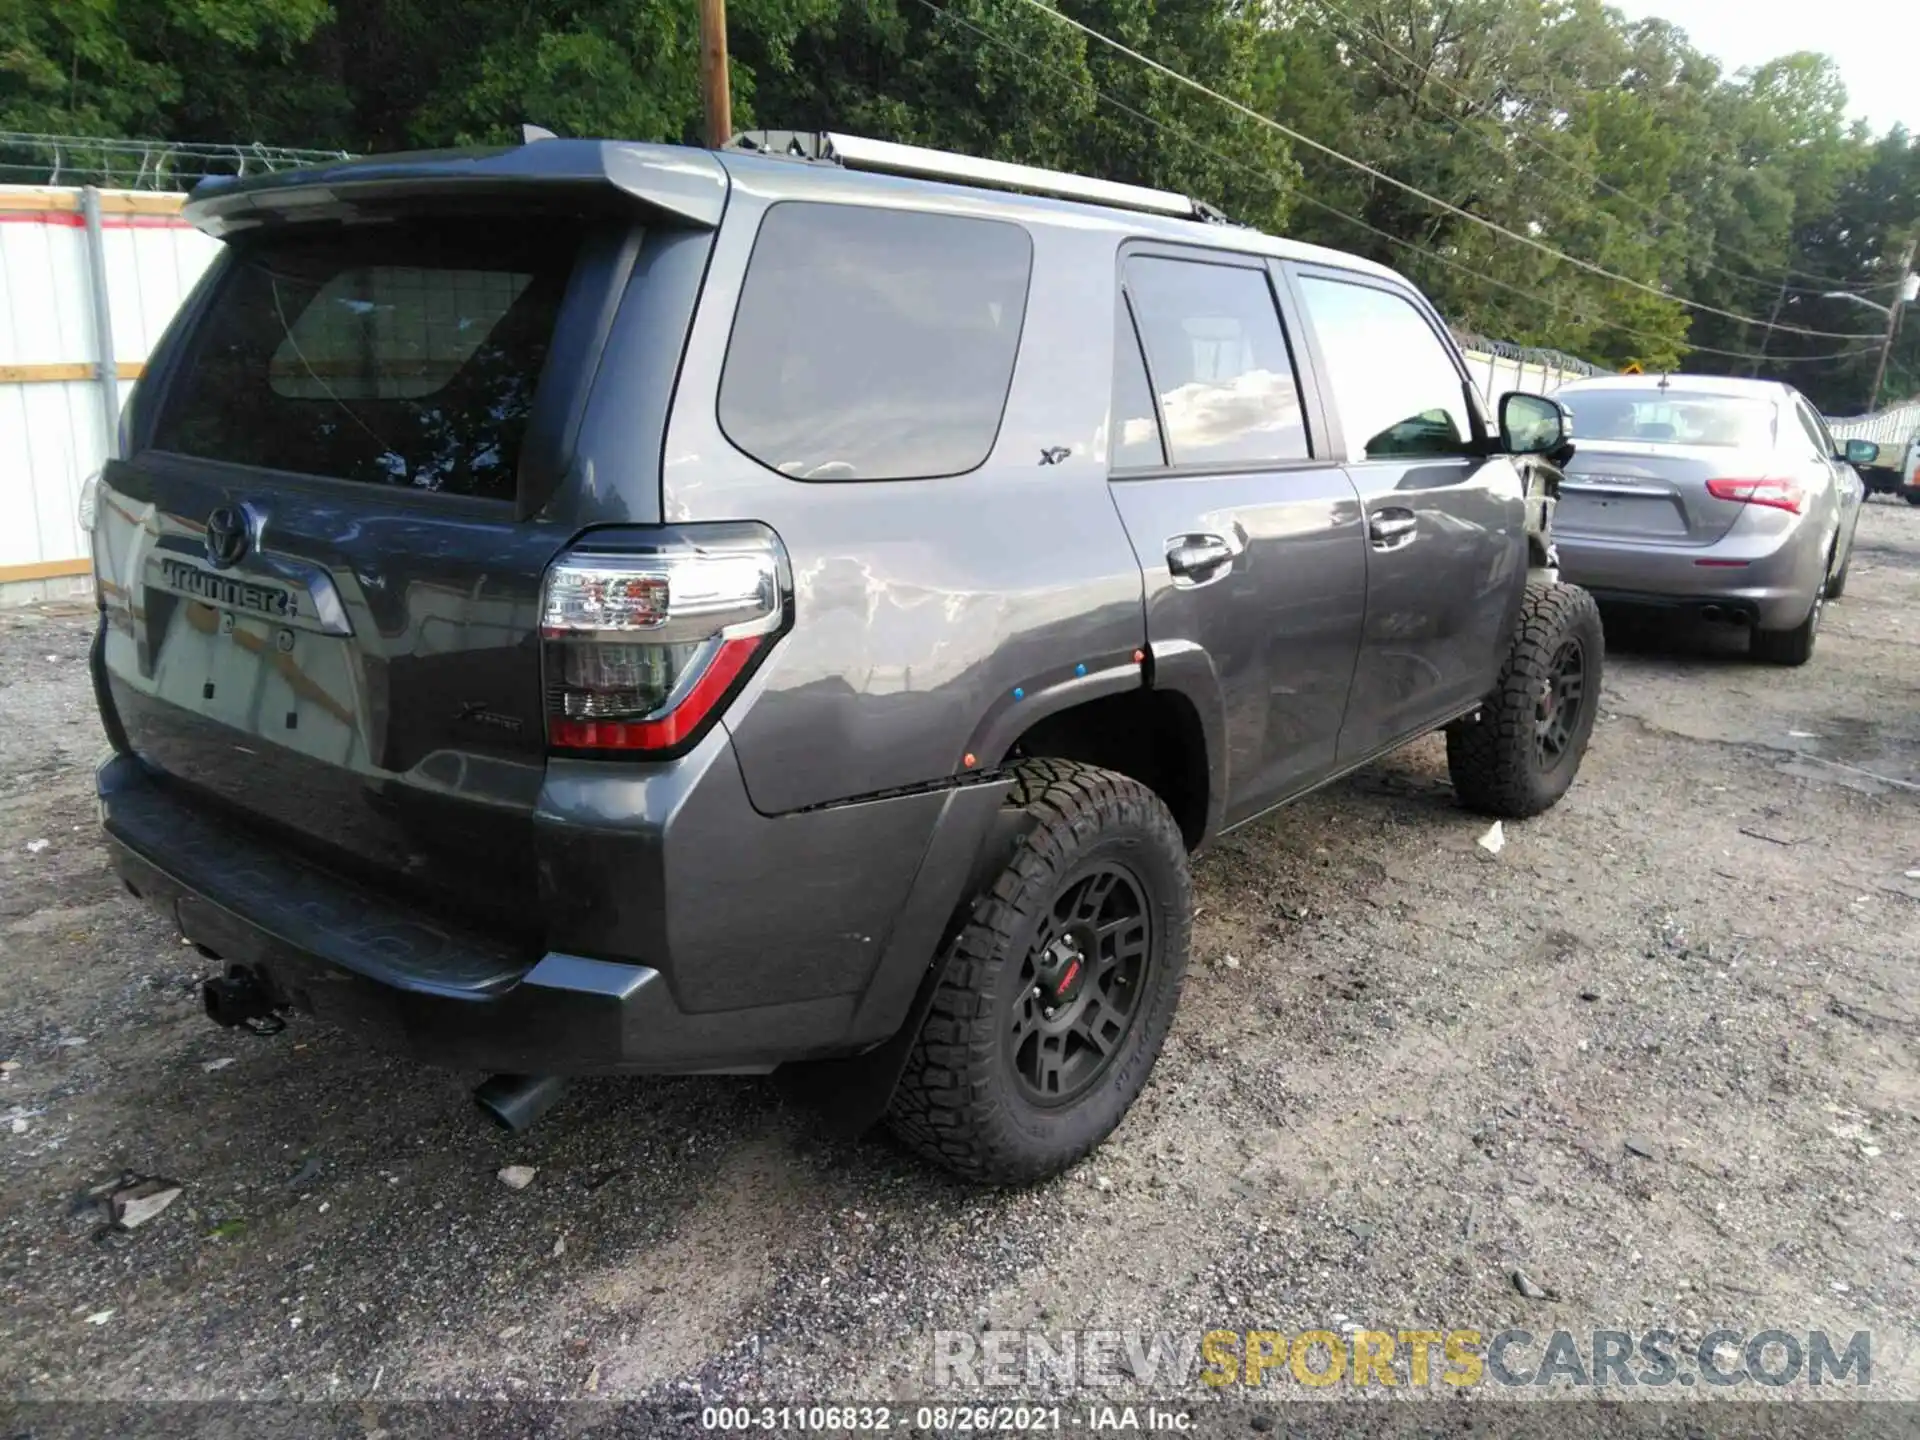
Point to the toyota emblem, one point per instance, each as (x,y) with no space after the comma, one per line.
(227,536)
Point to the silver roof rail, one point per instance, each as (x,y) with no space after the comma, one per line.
(883,156)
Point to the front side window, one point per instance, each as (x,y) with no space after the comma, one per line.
(404,355)
(874,344)
(1396,387)
(1219,362)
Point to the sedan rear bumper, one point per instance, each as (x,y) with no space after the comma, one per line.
(1769,581)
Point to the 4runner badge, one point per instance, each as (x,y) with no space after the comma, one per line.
(475,712)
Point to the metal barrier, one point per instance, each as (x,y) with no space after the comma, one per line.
(1895,426)
(92,278)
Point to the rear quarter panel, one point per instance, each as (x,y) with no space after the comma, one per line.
(923,606)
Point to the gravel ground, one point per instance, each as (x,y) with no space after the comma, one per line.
(1658,1056)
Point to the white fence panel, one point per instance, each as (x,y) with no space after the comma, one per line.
(48,432)
(1896,426)
(47,319)
(53,430)
(150,270)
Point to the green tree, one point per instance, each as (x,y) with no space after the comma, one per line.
(1613,141)
(128,67)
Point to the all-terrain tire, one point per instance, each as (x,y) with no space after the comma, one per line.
(958,1101)
(1789,647)
(1496,757)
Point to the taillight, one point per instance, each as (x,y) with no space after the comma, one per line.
(89,507)
(641,649)
(1780,494)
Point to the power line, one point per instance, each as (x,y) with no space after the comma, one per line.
(1529,295)
(1280,186)
(1364,168)
(1354,220)
(1374,33)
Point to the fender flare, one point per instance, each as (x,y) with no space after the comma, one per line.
(1017,711)
(1186,669)
(851,1093)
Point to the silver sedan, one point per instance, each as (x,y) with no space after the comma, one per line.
(1726,498)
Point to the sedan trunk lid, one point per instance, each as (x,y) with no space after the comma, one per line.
(1625,490)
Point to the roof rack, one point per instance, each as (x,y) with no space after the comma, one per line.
(851,152)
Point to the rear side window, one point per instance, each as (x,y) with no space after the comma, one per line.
(874,344)
(1219,362)
(1393,381)
(402,355)
(1136,433)
(1824,445)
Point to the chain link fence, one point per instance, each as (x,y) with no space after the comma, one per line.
(32,159)
(1555,361)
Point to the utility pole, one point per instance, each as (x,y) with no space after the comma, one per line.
(713,72)
(1893,328)
(1766,337)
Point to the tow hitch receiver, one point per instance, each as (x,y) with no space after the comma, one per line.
(239,999)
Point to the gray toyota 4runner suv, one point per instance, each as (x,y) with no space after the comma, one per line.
(594,608)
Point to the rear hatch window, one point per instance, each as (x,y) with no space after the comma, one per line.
(403,355)
(1673,418)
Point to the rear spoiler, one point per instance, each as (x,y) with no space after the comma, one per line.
(688,184)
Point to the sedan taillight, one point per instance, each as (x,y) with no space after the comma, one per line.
(642,649)
(1779,494)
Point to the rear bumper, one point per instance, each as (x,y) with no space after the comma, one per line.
(1767,580)
(1731,609)
(404,980)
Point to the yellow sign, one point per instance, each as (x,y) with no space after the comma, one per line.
(1633,368)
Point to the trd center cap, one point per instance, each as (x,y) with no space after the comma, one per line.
(1063,971)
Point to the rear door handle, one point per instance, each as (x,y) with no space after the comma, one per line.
(1393,528)
(1199,559)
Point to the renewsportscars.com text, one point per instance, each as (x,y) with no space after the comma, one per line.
(1413,1358)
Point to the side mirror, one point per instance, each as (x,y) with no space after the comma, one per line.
(1861,452)
(1533,424)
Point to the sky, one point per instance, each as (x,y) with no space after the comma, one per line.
(1876,43)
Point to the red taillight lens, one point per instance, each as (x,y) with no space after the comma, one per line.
(642,649)
(1779,494)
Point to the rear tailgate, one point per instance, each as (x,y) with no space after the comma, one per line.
(321,566)
(1620,490)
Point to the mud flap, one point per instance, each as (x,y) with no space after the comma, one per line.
(851,1093)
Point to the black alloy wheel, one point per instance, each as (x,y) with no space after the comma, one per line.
(1081,985)
(1559,710)
(1093,910)
(1518,753)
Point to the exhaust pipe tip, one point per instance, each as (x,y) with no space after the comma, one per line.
(515,1102)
